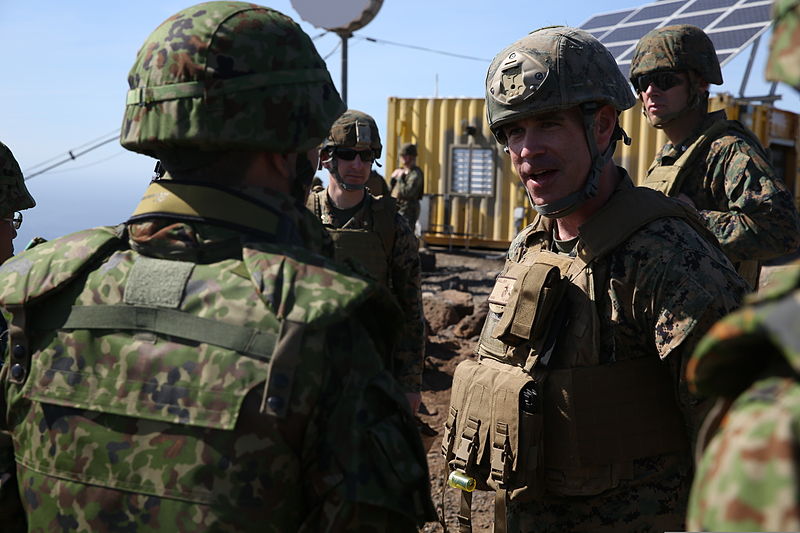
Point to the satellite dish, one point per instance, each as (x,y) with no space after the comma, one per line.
(343,16)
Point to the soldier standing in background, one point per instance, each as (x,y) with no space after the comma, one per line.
(407,184)
(368,231)
(714,164)
(200,368)
(747,478)
(576,412)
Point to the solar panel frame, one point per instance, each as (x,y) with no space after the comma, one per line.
(731,24)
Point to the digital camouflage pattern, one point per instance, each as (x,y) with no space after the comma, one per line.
(747,479)
(404,283)
(354,129)
(784,50)
(550,69)
(679,47)
(743,203)
(229,75)
(14,196)
(658,293)
(407,189)
(147,432)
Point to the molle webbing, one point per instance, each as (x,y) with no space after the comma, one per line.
(669,179)
(206,203)
(173,323)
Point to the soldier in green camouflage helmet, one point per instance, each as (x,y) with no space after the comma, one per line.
(784,53)
(14,197)
(747,478)
(407,184)
(200,367)
(367,230)
(716,165)
(576,413)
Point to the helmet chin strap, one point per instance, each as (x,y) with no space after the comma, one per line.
(334,171)
(567,205)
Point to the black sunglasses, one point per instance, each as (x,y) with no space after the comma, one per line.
(15,221)
(663,80)
(347,154)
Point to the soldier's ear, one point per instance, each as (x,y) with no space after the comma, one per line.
(605,121)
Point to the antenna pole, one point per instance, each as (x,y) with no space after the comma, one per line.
(345,37)
(749,67)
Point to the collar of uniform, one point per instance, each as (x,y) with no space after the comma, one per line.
(333,216)
(670,153)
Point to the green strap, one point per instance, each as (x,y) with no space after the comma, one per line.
(193,89)
(253,342)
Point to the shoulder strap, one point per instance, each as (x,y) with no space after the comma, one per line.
(626,212)
(669,179)
(384,210)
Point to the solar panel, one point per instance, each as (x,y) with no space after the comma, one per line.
(732,25)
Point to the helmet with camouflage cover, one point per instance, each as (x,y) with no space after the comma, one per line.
(356,130)
(551,69)
(409,149)
(784,51)
(14,196)
(228,76)
(679,47)
(682,48)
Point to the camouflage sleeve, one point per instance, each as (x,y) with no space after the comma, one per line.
(747,479)
(754,216)
(369,472)
(405,277)
(695,292)
(682,288)
(410,187)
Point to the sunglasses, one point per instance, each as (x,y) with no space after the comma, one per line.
(15,221)
(347,154)
(663,80)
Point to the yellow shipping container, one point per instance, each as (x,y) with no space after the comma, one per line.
(473,198)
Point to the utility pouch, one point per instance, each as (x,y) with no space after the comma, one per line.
(494,428)
(532,298)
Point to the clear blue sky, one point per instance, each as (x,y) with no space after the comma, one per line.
(65,67)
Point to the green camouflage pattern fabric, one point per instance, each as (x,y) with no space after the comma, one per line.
(232,76)
(117,431)
(679,47)
(407,190)
(404,280)
(747,479)
(665,286)
(744,204)
(354,129)
(783,63)
(549,69)
(14,196)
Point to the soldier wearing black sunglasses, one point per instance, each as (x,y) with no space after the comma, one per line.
(369,234)
(716,165)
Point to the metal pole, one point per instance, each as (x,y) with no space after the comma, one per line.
(345,37)
(747,69)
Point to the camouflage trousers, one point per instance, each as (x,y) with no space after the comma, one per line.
(653,501)
(410,211)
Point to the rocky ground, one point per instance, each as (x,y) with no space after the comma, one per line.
(454,297)
(454,301)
